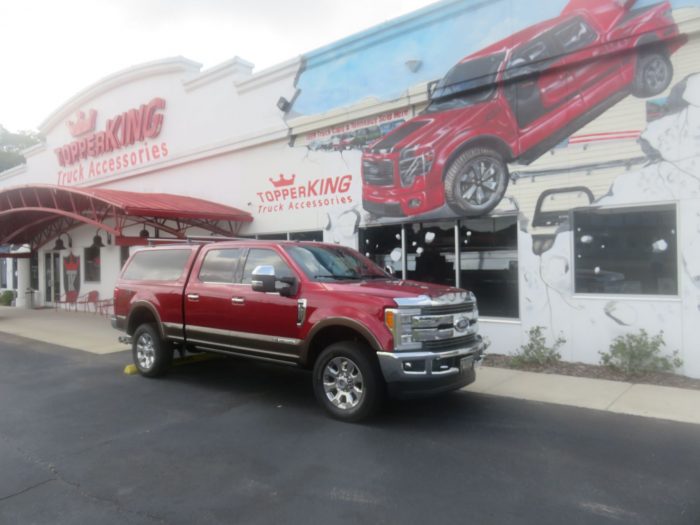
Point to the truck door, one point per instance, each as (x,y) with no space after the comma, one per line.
(266,322)
(208,306)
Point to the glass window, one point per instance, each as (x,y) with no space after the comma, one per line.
(34,271)
(219,266)
(466,84)
(3,273)
(316,236)
(15,276)
(157,265)
(322,263)
(382,244)
(430,252)
(272,236)
(92,264)
(488,262)
(123,255)
(574,35)
(258,257)
(626,251)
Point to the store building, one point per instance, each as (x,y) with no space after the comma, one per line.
(548,160)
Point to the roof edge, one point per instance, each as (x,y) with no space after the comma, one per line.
(125,76)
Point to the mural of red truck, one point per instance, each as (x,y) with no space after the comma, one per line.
(514,101)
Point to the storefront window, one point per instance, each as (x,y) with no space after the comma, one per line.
(430,252)
(382,244)
(272,236)
(123,255)
(626,251)
(92,264)
(15,277)
(316,236)
(34,271)
(3,273)
(489,264)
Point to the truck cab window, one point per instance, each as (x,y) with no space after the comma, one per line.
(258,257)
(219,266)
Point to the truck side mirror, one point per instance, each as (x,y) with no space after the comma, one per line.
(264,278)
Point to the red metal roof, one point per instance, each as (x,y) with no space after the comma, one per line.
(36,214)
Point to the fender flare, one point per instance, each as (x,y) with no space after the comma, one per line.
(138,305)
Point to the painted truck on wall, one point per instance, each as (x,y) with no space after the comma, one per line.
(514,101)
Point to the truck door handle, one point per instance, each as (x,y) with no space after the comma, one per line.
(194,297)
(237,300)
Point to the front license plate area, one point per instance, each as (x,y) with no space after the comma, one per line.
(466,363)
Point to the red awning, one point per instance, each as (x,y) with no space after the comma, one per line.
(36,214)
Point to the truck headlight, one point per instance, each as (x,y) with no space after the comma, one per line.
(415,162)
(399,324)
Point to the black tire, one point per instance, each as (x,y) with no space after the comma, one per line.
(653,74)
(347,381)
(152,356)
(475,182)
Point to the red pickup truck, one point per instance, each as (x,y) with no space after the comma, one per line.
(362,332)
(515,100)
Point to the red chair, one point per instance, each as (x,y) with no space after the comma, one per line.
(90,298)
(68,299)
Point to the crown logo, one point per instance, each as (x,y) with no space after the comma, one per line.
(282,181)
(71,263)
(83,123)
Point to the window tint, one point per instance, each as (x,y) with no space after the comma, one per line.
(626,251)
(157,265)
(574,35)
(258,257)
(219,266)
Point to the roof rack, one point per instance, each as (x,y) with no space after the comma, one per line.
(191,239)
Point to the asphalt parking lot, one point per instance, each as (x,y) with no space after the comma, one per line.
(229,441)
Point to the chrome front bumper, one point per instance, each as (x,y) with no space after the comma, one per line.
(430,366)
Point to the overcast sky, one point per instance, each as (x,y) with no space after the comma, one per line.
(51,50)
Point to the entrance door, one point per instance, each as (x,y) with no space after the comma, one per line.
(52,272)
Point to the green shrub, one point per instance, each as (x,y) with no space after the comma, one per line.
(7,297)
(536,351)
(637,354)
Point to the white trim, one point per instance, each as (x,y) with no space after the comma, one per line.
(234,67)
(290,68)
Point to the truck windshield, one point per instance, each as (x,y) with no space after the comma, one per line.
(325,263)
(466,84)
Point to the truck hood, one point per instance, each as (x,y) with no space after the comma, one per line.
(394,289)
(430,128)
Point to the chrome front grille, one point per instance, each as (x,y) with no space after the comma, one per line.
(466,307)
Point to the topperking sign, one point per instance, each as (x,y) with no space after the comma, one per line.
(121,145)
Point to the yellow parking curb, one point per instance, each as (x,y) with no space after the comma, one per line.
(130,370)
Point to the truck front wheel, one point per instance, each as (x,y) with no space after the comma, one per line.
(475,182)
(347,382)
(152,355)
(653,74)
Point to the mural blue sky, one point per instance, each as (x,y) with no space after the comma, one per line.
(373,63)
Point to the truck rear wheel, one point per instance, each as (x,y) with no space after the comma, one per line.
(347,382)
(152,356)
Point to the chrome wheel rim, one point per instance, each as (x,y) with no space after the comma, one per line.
(145,351)
(479,182)
(655,74)
(343,383)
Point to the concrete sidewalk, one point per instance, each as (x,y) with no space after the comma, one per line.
(92,333)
